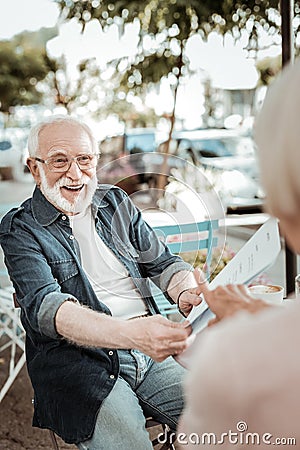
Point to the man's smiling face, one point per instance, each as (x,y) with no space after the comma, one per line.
(69,191)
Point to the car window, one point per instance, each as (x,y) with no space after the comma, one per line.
(209,148)
(5,145)
(141,143)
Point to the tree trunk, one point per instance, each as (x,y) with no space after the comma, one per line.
(164,169)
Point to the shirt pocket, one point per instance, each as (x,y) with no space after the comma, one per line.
(63,269)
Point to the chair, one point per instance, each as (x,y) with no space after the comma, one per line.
(169,437)
(53,440)
(185,238)
(13,336)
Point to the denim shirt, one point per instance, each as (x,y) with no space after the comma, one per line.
(43,261)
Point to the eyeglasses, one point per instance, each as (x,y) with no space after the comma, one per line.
(62,163)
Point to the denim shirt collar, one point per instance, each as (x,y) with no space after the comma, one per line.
(45,213)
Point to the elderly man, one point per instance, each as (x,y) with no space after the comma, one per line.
(80,258)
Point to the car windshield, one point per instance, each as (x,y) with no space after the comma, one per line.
(231,146)
(140,142)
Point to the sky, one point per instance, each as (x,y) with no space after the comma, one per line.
(226,65)
(19,15)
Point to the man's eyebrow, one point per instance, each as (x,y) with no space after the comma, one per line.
(58,151)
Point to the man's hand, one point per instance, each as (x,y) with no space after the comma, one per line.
(158,337)
(188,299)
(225,301)
(155,336)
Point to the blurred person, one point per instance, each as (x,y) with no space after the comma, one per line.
(79,257)
(243,388)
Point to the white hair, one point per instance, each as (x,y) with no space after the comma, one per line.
(277,133)
(33,138)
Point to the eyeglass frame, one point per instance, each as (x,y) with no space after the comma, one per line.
(71,159)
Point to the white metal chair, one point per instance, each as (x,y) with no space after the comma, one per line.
(12,336)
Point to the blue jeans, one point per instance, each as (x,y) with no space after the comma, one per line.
(144,388)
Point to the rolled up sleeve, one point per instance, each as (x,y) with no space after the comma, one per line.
(47,312)
(168,273)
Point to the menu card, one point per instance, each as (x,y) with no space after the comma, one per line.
(259,253)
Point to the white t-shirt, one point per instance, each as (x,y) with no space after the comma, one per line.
(107,275)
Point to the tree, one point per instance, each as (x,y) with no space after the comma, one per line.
(156,16)
(165,27)
(70,92)
(23,63)
(19,73)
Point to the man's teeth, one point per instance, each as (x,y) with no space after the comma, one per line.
(74,188)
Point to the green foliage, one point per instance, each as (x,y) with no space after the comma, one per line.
(23,63)
(268,68)
(181,16)
(20,70)
(168,24)
(34,39)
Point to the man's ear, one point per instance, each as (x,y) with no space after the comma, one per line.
(34,170)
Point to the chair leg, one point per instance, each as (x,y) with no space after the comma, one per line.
(169,436)
(53,440)
(170,439)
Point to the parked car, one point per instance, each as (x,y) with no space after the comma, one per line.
(228,159)
(123,156)
(219,149)
(132,141)
(140,140)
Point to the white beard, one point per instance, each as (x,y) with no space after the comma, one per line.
(53,194)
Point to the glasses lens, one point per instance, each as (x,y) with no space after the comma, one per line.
(58,163)
(62,163)
(86,161)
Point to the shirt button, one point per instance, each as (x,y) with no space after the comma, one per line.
(63,218)
(71,237)
(110,353)
(112,377)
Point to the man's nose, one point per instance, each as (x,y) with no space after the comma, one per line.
(74,171)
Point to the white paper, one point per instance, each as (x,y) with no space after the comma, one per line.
(255,256)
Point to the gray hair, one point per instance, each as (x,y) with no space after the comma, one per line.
(277,133)
(33,138)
